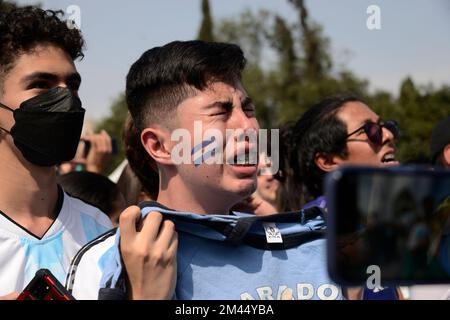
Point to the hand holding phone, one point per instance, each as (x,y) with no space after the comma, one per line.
(97,149)
(390,223)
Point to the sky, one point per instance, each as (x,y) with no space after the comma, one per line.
(414,39)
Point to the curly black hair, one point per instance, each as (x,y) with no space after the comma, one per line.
(21,29)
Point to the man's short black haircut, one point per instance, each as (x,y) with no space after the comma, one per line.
(21,29)
(165,76)
(318,131)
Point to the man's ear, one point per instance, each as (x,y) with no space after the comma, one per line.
(446,154)
(326,162)
(156,143)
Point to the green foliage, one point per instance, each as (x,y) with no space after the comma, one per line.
(249,31)
(6,6)
(290,68)
(206,28)
(302,74)
(317,60)
(418,111)
(113,124)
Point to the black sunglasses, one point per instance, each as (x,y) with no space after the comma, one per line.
(374,131)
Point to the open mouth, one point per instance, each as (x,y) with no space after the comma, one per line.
(241,160)
(389,158)
(243,157)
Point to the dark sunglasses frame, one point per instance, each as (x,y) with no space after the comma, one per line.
(374,131)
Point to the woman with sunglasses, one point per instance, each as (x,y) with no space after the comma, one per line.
(337,131)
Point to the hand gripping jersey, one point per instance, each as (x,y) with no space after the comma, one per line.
(238,256)
(22,253)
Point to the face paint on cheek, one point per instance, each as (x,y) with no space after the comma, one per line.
(199,155)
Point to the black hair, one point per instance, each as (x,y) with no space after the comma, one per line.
(164,76)
(21,29)
(130,186)
(92,188)
(290,195)
(319,130)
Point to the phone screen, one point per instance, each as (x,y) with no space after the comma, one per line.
(395,220)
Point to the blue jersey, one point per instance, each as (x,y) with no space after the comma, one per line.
(225,257)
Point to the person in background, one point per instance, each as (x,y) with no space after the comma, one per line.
(267,185)
(264,200)
(291,192)
(93,153)
(131,188)
(96,190)
(440,144)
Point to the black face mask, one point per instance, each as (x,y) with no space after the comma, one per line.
(48,127)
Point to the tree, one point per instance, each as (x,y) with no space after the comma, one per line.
(316,53)
(6,6)
(290,68)
(283,43)
(206,28)
(249,31)
(113,124)
(301,74)
(418,111)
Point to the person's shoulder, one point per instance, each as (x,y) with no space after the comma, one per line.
(85,209)
(83,277)
(96,247)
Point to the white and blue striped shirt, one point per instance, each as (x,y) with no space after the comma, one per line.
(22,253)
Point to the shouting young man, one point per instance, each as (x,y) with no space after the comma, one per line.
(182,90)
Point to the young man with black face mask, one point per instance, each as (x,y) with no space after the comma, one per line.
(41,118)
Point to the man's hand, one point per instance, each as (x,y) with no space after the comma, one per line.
(11,296)
(149,253)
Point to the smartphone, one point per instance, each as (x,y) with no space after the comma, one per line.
(87,147)
(44,286)
(391,223)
